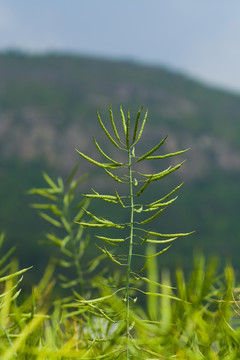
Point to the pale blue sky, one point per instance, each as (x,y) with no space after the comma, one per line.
(198,37)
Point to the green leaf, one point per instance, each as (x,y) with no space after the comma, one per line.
(100,299)
(44,193)
(100,196)
(123,121)
(166,196)
(160,295)
(17,273)
(169,170)
(54,239)
(6,256)
(50,219)
(142,127)
(136,125)
(152,217)
(154,241)
(51,207)
(111,241)
(157,234)
(111,257)
(156,205)
(167,155)
(80,213)
(2,237)
(119,199)
(49,181)
(152,150)
(63,263)
(155,255)
(102,221)
(113,124)
(66,224)
(128,129)
(147,280)
(106,166)
(146,183)
(105,155)
(106,132)
(72,174)
(75,184)
(116,178)
(92,225)
(158,253)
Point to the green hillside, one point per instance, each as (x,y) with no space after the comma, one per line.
(48,106)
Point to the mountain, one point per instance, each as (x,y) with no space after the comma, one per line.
(48,107)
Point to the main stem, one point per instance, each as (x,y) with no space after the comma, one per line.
(129,251)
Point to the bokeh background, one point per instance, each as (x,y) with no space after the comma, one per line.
(59,61)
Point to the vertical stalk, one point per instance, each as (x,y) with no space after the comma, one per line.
(130,250)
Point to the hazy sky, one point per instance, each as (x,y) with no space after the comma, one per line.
(198,37)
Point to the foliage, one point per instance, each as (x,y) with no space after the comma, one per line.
(139,214)
(46,108)
(102,317)
(203,325)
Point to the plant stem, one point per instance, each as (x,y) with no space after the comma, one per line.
(129,251)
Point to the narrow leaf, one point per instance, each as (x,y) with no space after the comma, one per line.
(50,219)
(49,181)
(128,129)
(142,127)
(155,283)
(51,207)
(92,225)
(66,224)
(106,132)
(75,184)
(72,174)
(147,182)
(157,254)
(156,204)
(100,196)
(100,299)
(111,257)
(44,193)
(169,170)
(168,235)
(6,256)
(153,241)
(116,178)
(108,166)
(17,273)
(103,221)
(105,155)
(113,124)
(123,121)
(152,150)
(119,199)
(110,239)
(166,196)
(136,125)
(167,155)
(160,295)
(152,217)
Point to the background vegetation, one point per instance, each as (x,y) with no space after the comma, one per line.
(47,107)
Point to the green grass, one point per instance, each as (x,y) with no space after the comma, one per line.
(84,309)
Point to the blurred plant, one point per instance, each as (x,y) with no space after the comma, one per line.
(62,210)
